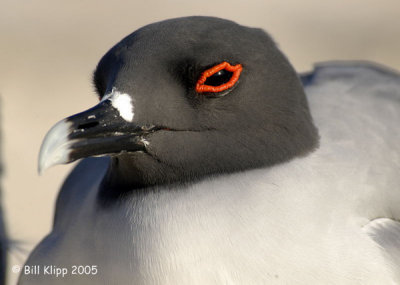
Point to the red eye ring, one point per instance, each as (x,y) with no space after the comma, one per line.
(202,88)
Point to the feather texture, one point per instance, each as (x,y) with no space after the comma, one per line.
(312,220)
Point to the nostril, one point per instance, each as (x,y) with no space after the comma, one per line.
(88,125)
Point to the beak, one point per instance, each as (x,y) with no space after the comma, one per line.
(96,132)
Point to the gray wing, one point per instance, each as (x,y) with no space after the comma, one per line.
(386,233)
(77,187)
(372,93)
(361,73)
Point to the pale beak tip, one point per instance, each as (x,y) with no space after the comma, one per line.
(55,147)
(41,168)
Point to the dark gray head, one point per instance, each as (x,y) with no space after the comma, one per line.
(160,129)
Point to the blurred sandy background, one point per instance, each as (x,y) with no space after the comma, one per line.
(49,48)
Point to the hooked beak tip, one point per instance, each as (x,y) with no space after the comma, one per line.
(55,146)
(101,130)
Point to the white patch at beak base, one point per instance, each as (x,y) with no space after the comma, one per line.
(122,102)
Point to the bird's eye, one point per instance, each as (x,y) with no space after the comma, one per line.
(218,78)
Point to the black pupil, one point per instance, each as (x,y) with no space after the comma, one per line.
(221,77)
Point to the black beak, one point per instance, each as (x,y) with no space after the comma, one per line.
(98,131)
